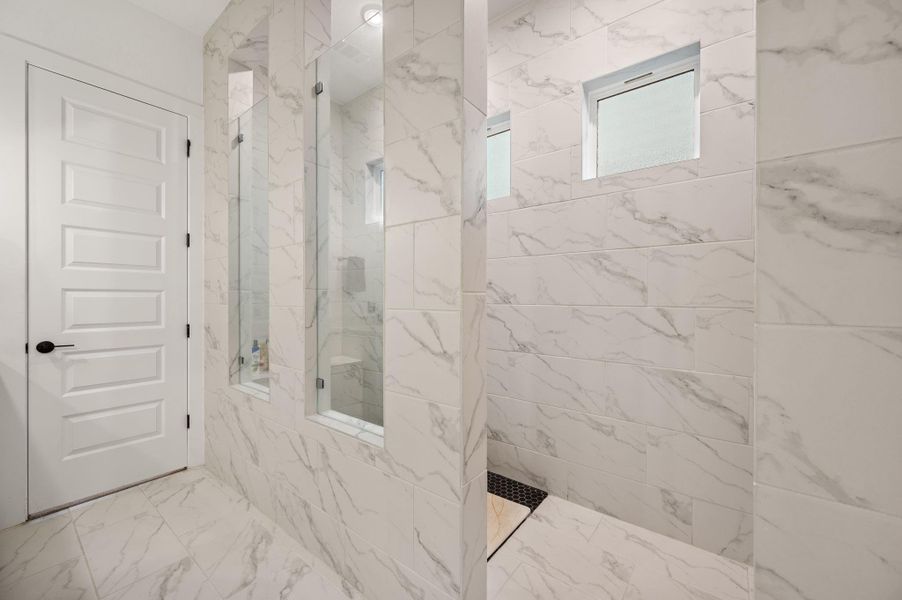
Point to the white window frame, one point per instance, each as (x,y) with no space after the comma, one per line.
(498,124)
(649,72)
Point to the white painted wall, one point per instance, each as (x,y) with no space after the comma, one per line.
(115,36)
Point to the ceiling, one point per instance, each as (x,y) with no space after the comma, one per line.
(197,16)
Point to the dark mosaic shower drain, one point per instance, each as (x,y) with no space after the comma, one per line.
(515,491)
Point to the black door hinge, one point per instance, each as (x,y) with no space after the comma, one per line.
(318,88)
(188,240)
(320,383)
(188,147)
(188,421)
(188,330)
(26,347)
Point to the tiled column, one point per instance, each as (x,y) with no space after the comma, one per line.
(435,269)
(404,517)
(828,503)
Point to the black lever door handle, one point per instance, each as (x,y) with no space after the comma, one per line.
(48,346)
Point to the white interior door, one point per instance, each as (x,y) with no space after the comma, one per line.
(107,259)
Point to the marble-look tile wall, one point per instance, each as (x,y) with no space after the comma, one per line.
(620,310)
(399,517)
(828,509)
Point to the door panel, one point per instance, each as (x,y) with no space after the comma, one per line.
(107,273)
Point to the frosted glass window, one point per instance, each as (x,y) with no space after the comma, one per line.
(647,126)
(498,176)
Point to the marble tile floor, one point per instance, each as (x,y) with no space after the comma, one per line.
(566,552)
(189,537)
(184,537)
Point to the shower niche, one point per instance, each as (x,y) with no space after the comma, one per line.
(249,214)
(348,221)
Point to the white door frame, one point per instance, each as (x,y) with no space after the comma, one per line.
(15,56)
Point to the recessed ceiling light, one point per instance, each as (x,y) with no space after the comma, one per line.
(372,15)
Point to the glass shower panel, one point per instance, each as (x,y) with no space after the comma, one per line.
(251,223)
(349,228)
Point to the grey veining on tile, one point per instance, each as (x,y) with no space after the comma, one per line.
(837,212)
(811,548)
(806,378)
(35,546)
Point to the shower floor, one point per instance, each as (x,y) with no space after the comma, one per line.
(566,551)
(190,536)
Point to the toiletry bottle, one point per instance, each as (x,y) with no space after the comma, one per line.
(255,357)
(264,356)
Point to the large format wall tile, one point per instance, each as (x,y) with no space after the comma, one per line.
(830,74)
(653,336)
(563,382)
(719,472)
(809,548)
(526,32)
(557,73)
(714,406)
(702,275)
(830,242)
(675,23)
(600,278)
(423,87)
(422,354)
(828,414)
(727,73)
(548,128)
(622,304)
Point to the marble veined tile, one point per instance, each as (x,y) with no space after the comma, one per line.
(186,500)
(669,566)
(702,275)
(727,140)
(527,31)
(712,470)
(263,563)
(672,24)
(503,517)
(557,381)
(548,128)
(716,406)
(806,547)
(830,224)
(652,336)
(423,172)
(598,278)
(567,557)
(576,226)
(530,583)
(36,545)
(423,87)
(105,511)
(727,73)
(129,550)
(558,72)
(852,49)
(649,583)
(68,580)
(722,530)
(724,341)
(564,516)
(713,209)
(828,413)
(182,580)
(422,354)
(537,180)
(437,530)
(588,15)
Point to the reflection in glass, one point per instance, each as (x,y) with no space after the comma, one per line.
(350,237)
(249,215)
